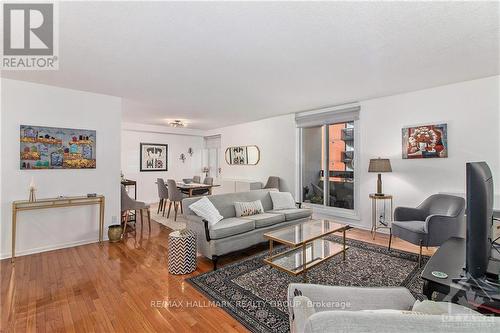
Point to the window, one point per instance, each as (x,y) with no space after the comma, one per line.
(211,157)
(327,154)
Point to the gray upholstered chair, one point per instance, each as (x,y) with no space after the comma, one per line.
(316,308)
(206,181)
(197,179)
(175,196)
(162,194)
(434,221)
(128,204)
(273,182)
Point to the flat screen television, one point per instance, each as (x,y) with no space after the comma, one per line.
(479,221)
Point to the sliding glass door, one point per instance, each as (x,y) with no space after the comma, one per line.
(212,157)
(328,165)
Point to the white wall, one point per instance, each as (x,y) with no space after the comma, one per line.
(276,139)
(178,142)
(471,110)
(35,104)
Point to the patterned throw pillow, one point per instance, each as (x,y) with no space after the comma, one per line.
(248,208)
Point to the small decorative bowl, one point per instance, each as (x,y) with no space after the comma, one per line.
(187,180)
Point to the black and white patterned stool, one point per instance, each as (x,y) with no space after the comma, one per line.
(181,252)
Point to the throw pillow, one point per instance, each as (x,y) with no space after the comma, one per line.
(248,208)
(442,308)
(206,210)
(282,200)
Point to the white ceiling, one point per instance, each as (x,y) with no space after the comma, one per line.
(216,64)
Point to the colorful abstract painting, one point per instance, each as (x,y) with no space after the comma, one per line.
(426,141)
(57,148)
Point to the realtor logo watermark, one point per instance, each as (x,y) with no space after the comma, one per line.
(30,36)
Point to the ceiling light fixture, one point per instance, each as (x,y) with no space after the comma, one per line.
(176,123)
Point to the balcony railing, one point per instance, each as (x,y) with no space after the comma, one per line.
(347,156)
(347,134)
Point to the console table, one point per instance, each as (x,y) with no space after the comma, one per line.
(22,205)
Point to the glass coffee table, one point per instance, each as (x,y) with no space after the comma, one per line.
(308,245)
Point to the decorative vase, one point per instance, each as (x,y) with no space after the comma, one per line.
(114,233)
(32,197)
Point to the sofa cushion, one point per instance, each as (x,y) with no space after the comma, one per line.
(225,202)
(266,219)
(293,213)
(231,226)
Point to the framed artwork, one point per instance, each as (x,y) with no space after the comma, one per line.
(56,148)
(426,141)
(153,157)
(242,155)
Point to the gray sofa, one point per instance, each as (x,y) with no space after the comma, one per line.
(232,233)
(320,309)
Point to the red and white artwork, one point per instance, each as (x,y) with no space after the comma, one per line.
(426,141)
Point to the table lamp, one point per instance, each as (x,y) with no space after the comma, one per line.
(379,165)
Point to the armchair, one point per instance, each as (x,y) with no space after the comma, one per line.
(319,309)
(307,300)
(434,221)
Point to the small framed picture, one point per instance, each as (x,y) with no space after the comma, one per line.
(153,157)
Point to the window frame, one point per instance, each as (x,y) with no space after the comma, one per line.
(352,214)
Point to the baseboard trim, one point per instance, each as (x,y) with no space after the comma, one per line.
(50,248)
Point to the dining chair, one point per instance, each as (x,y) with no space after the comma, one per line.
(206,181)
(273,182)
(175,196)
(128,204)
(197,179)
(162,194)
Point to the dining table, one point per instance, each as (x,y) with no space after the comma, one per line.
(191,188)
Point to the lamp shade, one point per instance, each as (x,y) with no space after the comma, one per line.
(380,165)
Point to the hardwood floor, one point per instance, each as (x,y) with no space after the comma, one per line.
(115,288)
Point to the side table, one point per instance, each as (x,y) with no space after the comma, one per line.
(181,252)
(376,224)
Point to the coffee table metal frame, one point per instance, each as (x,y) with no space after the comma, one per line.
(303,245)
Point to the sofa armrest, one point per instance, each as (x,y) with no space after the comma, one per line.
(207,230)
(331,298)
(197,225)
(196,222)
(409,214)
(303,309)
